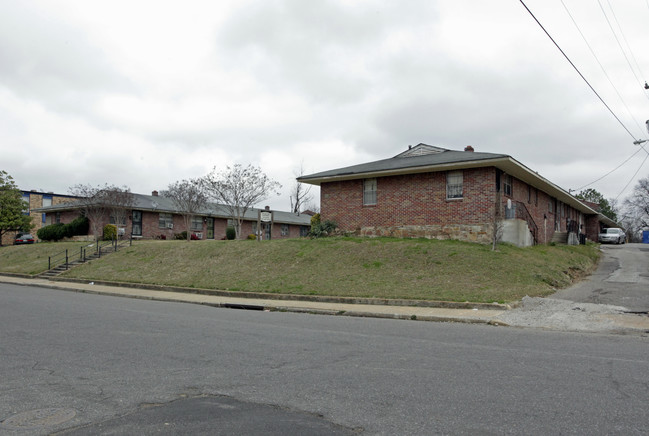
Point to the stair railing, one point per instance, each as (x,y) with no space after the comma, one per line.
(58,259)
(63,257)
(521,212)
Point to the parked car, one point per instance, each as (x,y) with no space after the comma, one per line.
(24,238)
(612,235)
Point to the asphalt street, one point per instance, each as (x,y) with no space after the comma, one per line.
(622,279)
(92,364)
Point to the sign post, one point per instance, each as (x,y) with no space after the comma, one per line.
(265,217)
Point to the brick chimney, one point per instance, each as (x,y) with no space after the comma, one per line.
(154,193)
(468,148)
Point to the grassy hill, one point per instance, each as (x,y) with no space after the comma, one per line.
(355,267)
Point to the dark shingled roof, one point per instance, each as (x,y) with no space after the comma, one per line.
(156,203)
(427,158)
(406,160)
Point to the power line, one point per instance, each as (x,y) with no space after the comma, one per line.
(610,172)
(618,41)
(577,70)
(602,66)
(634,174)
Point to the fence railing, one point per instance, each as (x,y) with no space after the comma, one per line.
(58,259)
(66,257)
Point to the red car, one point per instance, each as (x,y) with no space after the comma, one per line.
(24,239)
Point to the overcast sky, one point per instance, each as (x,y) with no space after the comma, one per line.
(145,93)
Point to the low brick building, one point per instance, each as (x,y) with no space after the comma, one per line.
(434,192)
(153,216)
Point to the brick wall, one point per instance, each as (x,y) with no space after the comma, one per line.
(36,201)
(540,206)
(416,206)
(151,227)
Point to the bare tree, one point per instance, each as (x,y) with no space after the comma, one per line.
(92,203)
(498,225)
(312,206)
(300,193)
(97,203)
(189,197)
(636,209)
(119,202)
(238,189)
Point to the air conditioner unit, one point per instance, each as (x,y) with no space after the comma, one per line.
(170,225)
(199,235)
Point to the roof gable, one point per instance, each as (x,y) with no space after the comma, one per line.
(421,150)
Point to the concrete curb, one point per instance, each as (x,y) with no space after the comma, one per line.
(400,311)
(292,297)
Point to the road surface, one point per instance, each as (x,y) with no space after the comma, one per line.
(91,364)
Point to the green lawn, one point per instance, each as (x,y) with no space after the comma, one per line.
(33,258)
(354,267)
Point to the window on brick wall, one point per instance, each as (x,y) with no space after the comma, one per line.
(454,184)
(284,229)
(165,221)
(369,192)
(508,185)
(26,200)
(197,223)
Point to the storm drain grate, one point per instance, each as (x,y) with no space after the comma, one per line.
(39,418)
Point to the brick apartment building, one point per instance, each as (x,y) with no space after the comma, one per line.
(434,192)
(37,200)
(153,216)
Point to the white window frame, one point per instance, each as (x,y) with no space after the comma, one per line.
(455,185)
(284,230)
(369,192)
(164,219)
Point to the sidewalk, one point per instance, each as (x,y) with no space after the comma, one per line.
(558,315)
(478,313)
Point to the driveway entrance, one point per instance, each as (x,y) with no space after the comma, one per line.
(622,279)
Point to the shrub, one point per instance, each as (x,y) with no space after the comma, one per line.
(315,220)
(322,229)
(53,232)
(79,226)
(252,236)
(230,233)
(56,232)
(182,236)
(110,232)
